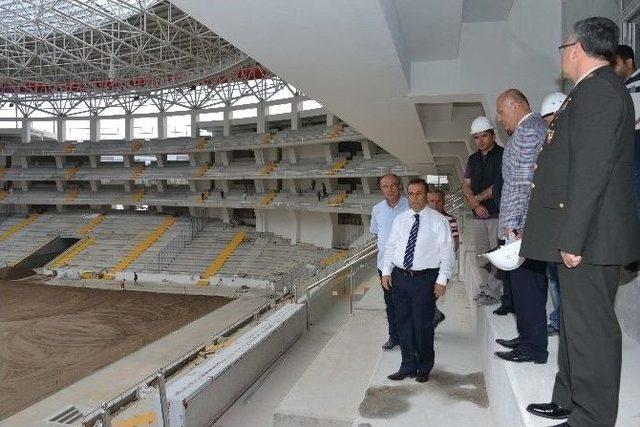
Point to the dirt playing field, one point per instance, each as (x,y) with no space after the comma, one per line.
(53,336)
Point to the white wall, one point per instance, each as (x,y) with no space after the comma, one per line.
(317,228)
(494,56)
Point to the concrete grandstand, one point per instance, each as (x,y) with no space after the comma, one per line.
(214,166)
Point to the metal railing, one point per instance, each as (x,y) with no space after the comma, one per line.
(354,268)
(176,246)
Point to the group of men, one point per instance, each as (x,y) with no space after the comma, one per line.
(564,185)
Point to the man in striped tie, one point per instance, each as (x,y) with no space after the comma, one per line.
(418,262)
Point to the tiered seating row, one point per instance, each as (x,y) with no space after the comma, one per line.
(252,140)
(36,233)
(377,166)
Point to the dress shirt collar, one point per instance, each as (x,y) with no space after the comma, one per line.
(582,77)
(396,205)
(422,212)
(635,73)
(523,119)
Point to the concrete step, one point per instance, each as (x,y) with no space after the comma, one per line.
(330,391)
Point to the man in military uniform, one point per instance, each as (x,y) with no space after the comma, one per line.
(582,216)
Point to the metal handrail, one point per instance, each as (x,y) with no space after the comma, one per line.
(363,254)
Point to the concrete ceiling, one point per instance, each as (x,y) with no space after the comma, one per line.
(405,73)
(486,10)
(430,28)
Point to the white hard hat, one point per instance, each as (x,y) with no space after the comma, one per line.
(480,124)
(506,257)
(552,103)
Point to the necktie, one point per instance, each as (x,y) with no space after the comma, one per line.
(411,243)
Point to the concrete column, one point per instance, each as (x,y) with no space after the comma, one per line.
(226,122)
(59,186)
(366,222)
(192,211)
(223,157)
(259,155)
(192,187)
(24,162)
(61,129)
(94,129)
(291,185)
(128,185)
(261,220)
(24,185)
(128,128)
(330,152)
(261,123)
(366,150)
(128,160)
(365,185)
(259,184)
(58,160)
(224,185)
(59,208)
(331,119)
(226,214)
(94,185)
(26,131)
(93,161)
(296,107)
(162,185)
(161,159)
(192,159)
(195,114)
(405,182)
(162,126)
(294,221)
(293,155)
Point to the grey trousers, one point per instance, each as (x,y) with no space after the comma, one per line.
(590,350)
(485,233)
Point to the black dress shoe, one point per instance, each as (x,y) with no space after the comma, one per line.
(549,410)
(520,357)
(514,343)
(502,310)
(399,376)
(389,345)
(422,377)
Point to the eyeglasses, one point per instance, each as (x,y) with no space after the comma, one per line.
(560,48)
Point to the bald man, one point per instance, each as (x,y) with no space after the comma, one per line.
(527,133)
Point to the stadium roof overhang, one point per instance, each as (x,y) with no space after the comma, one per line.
(56,55)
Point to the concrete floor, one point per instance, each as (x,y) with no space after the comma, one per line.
(310,379)
(455,394)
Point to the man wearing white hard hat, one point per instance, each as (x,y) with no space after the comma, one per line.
(482,171)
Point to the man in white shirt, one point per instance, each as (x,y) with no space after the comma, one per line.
(417,264)
(382,217)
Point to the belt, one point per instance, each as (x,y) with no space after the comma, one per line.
(414,273)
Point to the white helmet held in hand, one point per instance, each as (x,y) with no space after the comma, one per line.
(480,124)
(552,103)
(506,257)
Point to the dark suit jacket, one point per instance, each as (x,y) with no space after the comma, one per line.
(582,200)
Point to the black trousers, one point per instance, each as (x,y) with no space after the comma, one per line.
(415,304)
(529,289)
(391,314)
(590,350)
(506,299)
